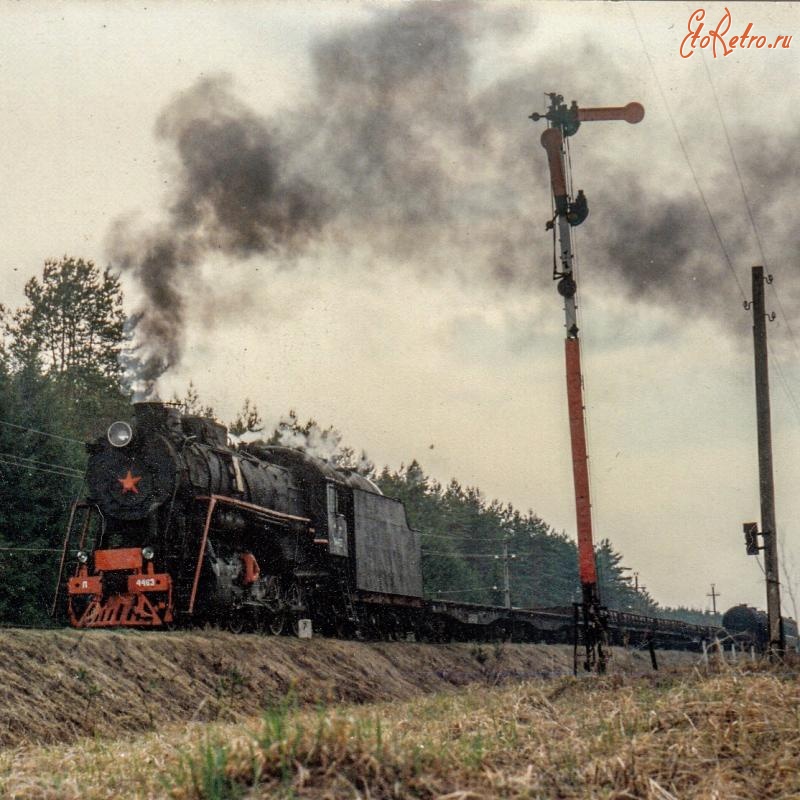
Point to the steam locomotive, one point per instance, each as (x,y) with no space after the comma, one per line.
(180,528)
(749,627)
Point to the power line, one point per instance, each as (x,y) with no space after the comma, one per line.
(456,537)
(41,469)
(686,156)
(783,312)
(728,261)
(750,214)
(760,243)
(41,433)
(55,465)
(461,555)
(782,377)
(784,383)
(25,463)
(498,556)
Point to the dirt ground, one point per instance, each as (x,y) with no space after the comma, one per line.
(56,686)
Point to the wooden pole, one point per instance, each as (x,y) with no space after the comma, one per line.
(765,474)
(713,595)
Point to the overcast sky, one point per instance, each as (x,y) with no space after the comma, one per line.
(355,202)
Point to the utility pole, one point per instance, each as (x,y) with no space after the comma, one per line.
(640,605)
(569,211)
(714,595)
(506,575)
(765,477)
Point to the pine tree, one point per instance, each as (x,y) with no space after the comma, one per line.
(248,420)
(70,332)
(191,404)
(59,385)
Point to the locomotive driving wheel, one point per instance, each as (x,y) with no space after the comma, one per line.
(270,613)
(277,622)
(287,606)
(235,621)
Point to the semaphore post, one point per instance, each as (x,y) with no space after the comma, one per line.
(570,211)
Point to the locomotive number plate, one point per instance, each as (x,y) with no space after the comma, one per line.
(89,584)
(148,583)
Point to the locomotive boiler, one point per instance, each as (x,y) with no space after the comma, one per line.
(178,526)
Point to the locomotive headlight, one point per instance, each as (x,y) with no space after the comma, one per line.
(119,434)
(148,554)
(82,556)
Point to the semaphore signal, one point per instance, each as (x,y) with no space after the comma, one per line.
(564,121)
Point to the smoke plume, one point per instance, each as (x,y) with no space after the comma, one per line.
(235,196)
(407,150)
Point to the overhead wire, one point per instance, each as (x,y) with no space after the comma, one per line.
(795,406)
(747,205)
(685,152)
(56,465)
(498,556)
(40,433)
(455,537)
(40,469)
(781,376)
(760,245)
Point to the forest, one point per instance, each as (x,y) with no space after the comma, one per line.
(63,357)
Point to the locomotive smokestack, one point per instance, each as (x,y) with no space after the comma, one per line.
(154,415)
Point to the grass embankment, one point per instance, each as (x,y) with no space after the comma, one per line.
(728,735)
(58,686)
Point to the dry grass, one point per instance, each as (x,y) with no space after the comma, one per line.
(58,686)
(732,734)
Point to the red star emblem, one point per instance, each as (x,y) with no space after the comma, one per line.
(129,483)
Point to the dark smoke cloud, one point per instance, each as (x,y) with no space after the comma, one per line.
(414,157)
(660,247)
(404,150)
(393,153)
(235,196)
(664,250)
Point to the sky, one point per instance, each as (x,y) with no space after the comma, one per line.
(340,208)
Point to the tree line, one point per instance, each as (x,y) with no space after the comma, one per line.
(62,381)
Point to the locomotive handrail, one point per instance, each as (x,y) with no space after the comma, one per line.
(75,506)
(215,499)
(267,512)
(72,511)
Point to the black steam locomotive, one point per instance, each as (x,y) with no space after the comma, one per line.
(177,525)
(180,528)
(749,627)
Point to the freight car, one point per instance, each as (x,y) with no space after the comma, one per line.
(180,528)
